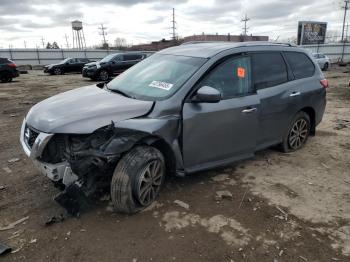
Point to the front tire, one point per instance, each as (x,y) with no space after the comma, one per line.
(137,179)
(103,75)
(297,134)
(57,71)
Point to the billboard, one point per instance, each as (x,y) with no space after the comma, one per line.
(310,32)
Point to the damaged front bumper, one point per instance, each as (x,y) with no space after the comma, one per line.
(34,142)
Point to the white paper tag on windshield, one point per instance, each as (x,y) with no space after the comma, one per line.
(161,85)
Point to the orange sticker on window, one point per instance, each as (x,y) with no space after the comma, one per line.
(240,72)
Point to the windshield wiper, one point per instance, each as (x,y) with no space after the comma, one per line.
(118,92)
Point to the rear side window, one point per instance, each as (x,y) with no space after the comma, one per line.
(300,64)
(269,69)
(232,77)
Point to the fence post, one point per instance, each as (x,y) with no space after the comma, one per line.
(62,53)
(37,52)
(10,50)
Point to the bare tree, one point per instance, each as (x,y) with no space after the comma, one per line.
(120,43)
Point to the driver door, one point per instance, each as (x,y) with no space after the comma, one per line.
(219,133)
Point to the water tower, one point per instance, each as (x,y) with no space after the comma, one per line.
(78,35)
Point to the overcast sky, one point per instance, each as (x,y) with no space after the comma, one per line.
(142,21)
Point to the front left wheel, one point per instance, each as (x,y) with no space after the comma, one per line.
(137,179)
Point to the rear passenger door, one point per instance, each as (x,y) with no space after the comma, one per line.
(271,80)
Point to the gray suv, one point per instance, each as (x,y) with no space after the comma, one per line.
(182,110)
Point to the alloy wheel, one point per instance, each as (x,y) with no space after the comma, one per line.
(149,182)
(57,71)
(104,75)
(298,133)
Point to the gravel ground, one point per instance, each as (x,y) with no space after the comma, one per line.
(279,207)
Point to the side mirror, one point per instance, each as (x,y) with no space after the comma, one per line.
(207,94)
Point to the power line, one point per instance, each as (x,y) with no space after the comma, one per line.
(103,33)
(245,28)
(345,10)
(42,41)
(173,26)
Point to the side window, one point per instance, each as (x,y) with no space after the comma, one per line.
(300,64)
(118,58)
(131,57)
(269,69)
(232,77)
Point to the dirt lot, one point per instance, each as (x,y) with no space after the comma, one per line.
(284,207)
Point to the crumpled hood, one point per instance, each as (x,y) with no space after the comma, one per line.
(83,110)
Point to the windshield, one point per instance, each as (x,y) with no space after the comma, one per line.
(65,60)
(108,58)
(156,77)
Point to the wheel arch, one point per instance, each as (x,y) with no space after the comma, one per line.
(312,114)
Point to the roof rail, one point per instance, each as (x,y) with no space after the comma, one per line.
(250,42)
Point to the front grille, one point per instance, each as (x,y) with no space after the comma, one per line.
(30,136)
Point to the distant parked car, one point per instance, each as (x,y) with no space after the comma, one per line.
(323,61)
(8,70)
(112,64)
(68,65)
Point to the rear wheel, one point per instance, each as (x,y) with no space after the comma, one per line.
(137,179)
(297,134)
(104,76)
(5,77)
(325,67)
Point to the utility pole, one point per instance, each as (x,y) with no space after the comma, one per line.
(173,26)
(344,20)
(103,33)
(245,28)
(43,42)
(67,43)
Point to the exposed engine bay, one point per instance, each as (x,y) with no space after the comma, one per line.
(83,165)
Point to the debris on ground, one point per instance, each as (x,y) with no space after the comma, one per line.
(182,204)
(4,249)
(33,241)
(13,224)
(13,160)
(7,170)
(220,178)
(55,219)
(224,194)
(341,124)
(285,215)
(73,199)
(2,187)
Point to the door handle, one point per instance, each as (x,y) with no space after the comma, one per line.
(249,110)
(295,94)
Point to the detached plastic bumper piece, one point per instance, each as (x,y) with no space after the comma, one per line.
(73,199)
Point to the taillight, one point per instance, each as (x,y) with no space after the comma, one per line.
(12,65)
(324,83)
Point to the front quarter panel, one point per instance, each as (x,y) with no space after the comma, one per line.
(165,128)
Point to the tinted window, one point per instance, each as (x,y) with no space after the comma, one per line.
(132,57)
(300,64)
(232,77)
(269,69)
